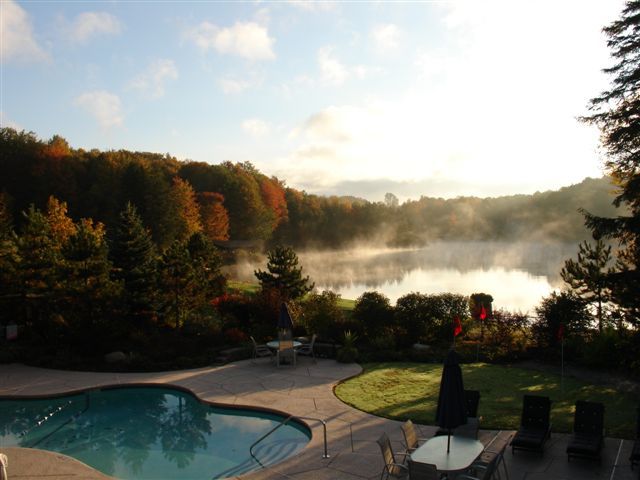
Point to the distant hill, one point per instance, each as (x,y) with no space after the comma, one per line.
(236,202)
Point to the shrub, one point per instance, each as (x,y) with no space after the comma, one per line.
(373,310)
(321,313)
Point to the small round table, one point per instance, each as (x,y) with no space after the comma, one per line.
(462,453)
(275,344)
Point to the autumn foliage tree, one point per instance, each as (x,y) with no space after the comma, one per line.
(213,215)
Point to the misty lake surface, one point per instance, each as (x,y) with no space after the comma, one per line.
(517,275)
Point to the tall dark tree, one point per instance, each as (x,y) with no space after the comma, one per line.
(617,113)
(135,264)
(179,288)
(587,276)
(284,275)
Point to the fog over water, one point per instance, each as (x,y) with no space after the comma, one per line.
(517,275)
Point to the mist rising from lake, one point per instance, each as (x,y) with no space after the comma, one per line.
(517,275)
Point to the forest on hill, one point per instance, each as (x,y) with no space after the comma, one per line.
(236,202)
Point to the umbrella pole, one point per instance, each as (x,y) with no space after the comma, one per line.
(448,440)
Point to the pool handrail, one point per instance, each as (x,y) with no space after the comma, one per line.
(283,422)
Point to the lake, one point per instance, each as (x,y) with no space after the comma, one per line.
(517,275)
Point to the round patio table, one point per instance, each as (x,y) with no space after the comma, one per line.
(462,453)
(275,344)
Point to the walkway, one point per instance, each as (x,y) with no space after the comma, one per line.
(305,391)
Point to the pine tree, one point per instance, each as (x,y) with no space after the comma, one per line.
(617,114)
(284,275)
(178,284)
(134,260)
(587,276)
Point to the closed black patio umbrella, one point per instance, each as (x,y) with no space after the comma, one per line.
(284,318)
(452,410)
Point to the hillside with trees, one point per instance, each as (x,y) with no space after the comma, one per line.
(238,203)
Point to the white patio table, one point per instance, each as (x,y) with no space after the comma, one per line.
(462,453)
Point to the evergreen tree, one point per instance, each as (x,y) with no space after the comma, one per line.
(90,291)
(206,264)
(134,260)
(617,114)
(587,276)
(284,275)
(8,256)
(178,285)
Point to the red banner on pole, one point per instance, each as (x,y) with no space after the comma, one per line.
(483,313)
(457,327)
(561,332)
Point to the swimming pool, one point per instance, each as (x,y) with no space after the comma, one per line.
(150,433)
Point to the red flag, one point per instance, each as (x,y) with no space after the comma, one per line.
(483,313)
(457,327)
(561,332)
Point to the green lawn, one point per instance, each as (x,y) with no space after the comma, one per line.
(410,390)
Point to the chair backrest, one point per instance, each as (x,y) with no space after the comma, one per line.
(284,334)
(385,448)
(535,412)
(589,418)
(253,340)
(313,340)
(472,399)
(285,345)
(410,435)
(423,471)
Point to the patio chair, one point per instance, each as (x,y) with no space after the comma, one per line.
(634,458)
(480,471)
(260,350)
(391,467)
(422,471)
(535,427)
(411,439)
(588,431)
(307,348)
(285,349)
(494,453)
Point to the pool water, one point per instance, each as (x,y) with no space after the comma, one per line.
(150,433)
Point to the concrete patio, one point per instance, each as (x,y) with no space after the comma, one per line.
(304,391)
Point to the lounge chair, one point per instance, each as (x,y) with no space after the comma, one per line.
(535,427)
(411,439)
(422,471)
(307,348)
(260,350)
(391,467)
(634,458)
(588,431)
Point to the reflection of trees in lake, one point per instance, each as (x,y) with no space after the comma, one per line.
(374,268)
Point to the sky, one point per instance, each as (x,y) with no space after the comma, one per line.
(441,98)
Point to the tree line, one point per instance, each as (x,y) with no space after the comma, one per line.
(237,202)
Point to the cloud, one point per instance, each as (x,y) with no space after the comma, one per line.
(332,72)
(247,40)
(18,41)
(91,24)
(256,127)
(314,6)
(105,107)
(232,85)
(7,122)
(386,37)
(152,82)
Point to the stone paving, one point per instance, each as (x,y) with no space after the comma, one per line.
(306,390)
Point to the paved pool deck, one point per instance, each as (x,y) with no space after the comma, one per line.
(307,391)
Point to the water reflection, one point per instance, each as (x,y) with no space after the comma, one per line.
(145,433)
(516,274)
